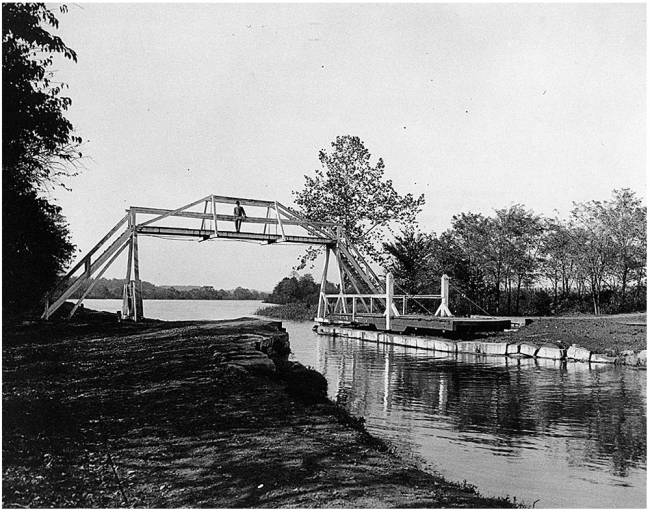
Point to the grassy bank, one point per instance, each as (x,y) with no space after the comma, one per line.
(189,414)
(602,334)
(297,312)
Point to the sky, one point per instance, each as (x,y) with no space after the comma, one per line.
(476,106)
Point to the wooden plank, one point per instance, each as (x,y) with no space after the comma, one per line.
(454,324)
(173,212)
(97,278)
(323,284)
(313,227)
(98,263)
(242,200)
(90,253)
(354,252)
(205,233)
(137,286)
(342,281)
(129,260)
(279,217)
(350,260)
(214,216)
(205,210)
(220,216)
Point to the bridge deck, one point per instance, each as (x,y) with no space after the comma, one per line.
(403,323)
(233,235)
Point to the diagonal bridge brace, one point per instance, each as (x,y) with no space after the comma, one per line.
(280,225)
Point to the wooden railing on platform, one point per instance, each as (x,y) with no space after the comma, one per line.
(335,305)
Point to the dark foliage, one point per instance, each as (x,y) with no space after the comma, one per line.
(296,312)
(304,383)
(298,289)
(516,262)
(35,246)
(38,146)
(410,261)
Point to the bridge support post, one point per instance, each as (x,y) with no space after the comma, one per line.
(132,307)
(341,300)
(138,310)
(390,283)
(323,284)
(443,309)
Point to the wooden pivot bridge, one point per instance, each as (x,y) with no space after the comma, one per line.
(345,309)
(363,297)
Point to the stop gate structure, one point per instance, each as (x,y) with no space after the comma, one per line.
(363,297)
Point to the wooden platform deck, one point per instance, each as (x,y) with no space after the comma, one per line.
(418,323)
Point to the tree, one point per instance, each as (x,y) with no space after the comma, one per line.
(557,261)
(471,242)
(351,191)
(298,289)
(591,246)
(624,219)
(517,241)
(38,146)
(410,257)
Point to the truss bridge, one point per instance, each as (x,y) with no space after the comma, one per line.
(363,296)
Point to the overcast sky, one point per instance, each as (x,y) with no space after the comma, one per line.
(476,106)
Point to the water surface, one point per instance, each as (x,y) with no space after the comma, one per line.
(570,435)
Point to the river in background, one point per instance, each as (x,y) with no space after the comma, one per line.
(567,435)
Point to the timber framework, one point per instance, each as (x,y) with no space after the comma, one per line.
(363,296)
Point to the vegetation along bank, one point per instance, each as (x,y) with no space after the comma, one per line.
(189,414)
(294,311)
(295,298)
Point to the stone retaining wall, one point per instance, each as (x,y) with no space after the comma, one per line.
(572,354)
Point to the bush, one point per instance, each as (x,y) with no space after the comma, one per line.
(297,312)
(540,303)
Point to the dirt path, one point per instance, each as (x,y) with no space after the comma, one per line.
(188,414)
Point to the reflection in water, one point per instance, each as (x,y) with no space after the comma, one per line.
(570,435)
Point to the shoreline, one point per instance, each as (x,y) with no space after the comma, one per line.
(615,339)
(505,345)
(179,414)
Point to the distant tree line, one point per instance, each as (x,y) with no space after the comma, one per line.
(518,262)
(112,289)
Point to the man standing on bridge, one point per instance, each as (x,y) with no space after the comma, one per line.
(240,215)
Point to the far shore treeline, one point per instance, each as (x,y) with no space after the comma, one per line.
(112,289)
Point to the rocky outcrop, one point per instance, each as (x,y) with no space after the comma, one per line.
(257,353)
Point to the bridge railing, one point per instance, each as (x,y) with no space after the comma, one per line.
(354,305)
(208,218)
